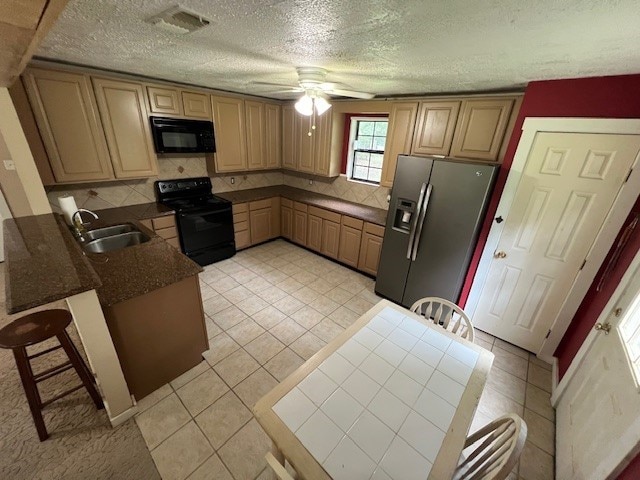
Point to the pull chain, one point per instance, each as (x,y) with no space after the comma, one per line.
(313,118)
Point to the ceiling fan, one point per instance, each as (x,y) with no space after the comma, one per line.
(313,84)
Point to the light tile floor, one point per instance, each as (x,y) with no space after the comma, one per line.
(270,308)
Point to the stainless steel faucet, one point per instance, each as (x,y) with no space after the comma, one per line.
(76,220)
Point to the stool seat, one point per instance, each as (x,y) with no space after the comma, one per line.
(34,328)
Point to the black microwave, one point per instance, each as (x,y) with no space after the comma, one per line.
(176,135)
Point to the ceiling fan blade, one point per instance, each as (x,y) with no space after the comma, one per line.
(349,93)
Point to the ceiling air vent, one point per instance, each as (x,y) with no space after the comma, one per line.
(179,20)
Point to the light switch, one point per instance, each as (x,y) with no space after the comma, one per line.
(9,165)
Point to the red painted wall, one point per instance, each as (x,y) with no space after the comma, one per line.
(632,472)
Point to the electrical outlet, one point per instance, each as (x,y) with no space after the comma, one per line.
(310,181)
(233,180)
(9,165)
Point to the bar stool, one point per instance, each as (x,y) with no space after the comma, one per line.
(31,330)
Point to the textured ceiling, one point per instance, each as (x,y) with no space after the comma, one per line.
(384,47)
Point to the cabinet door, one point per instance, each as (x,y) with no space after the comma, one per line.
(126,126)
(370,253)
(399,135)
(256,142)
(275,217)
(304,144)
(229,128)
(481,128)
(260,225)
(67,117)
(349,245)
(243,239)
(164,100)
(322,144)
(274,135)
(314,233)
(300,227)
(287,222)
(330,238)
(434,128)
(289,138)
(196,105)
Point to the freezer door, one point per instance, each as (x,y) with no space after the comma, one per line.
(459,197)
(409,188)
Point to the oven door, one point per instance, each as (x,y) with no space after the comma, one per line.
(206,230)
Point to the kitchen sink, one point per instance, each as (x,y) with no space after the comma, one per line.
(115,242)
(108,231)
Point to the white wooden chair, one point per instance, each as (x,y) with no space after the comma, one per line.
(499,445)
(446,314)
(278,468)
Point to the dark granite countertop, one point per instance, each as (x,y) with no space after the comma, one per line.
(45,263)
(356,210)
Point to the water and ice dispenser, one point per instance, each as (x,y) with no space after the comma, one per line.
(404,211)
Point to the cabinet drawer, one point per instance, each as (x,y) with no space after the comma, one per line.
(302,207)
(164,100)
(240,207)
(163,222)
(259,204)
(325,214)
(352,222)
(241,226)
(167,233)
(374,229)
(240,217)
(286,202)
(243,239)
(147,223)
(174,242)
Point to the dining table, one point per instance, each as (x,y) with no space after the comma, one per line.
(391,397)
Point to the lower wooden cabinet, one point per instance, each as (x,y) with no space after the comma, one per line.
(241,225)
(260,221)
(370,248)
(256,222)
(330,239)
(165,227)
(350,238)
(314,233)
(286,218)
(300,223)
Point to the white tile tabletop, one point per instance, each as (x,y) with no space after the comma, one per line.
(380,403)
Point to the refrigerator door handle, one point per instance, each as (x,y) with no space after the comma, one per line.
(423,214)
(412,234)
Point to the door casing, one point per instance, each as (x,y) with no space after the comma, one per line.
(607,234)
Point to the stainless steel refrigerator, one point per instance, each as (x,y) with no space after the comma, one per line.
(436,210)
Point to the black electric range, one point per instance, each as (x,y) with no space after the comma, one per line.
(205,221)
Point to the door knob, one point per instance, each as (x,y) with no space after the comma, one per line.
(605,327)
(499,254)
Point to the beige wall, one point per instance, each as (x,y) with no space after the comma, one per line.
(12,186)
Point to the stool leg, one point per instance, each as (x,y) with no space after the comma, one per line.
(31,391)
(81,368)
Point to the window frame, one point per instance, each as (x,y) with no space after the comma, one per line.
(351,151)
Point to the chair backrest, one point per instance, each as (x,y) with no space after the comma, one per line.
(446,314)
(499,445)
(277,467)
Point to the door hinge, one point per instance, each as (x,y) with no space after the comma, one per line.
(628,175)
(548,333)
(584,262)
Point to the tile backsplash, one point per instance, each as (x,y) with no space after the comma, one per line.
(100,195)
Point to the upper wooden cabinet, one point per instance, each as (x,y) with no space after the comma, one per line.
(124,119)
(289,148)
(255,132)
(304,144)
(67,116)
(322,145)
(229,128)
(481,129)
(273,134)
(434,128)
(196,105)
(399,135)
(164,100)
(313,145)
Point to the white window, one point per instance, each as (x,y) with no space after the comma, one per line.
(367,139)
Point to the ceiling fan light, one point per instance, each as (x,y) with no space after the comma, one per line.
(321,105)
(304,106)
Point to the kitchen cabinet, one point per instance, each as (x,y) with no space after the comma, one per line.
(435,125)
(241,225)
(330,238)
(164,100)
(370,248)
(256,130)
(165,227)
(66,113)
(314,232)
(229,129)
(402,119)
(196,105)
(304,144)
(273,134)
(126,127)
(300,223)
(289,138)
(286,212)
(264,220)
(481,128)
(322,145)
(350,239)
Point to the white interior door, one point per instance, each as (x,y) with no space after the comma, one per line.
(568,187)
(597,420)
